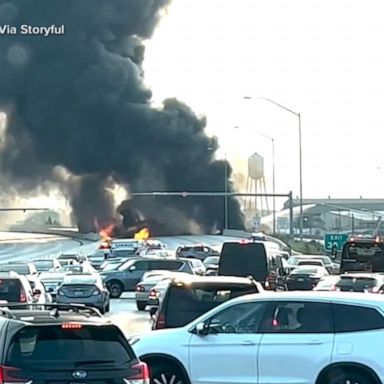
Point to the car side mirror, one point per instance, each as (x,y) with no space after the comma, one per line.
(36,292)
(132,268)
(202,329)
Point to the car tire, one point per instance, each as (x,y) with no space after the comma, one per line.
(348,377)
(115,289)
(102,310)
(108,307)
(166,374)
(141,305)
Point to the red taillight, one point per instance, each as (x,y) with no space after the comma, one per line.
(154,294)
(11,375)
(71,326)
(159,322)
(140,376)
(140,288)
(23,296)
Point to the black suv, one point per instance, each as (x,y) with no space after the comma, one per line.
(75,345)
(189,297)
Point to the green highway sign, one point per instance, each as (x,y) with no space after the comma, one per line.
(334,240)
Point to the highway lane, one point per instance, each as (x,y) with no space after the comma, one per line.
(125,314)
(26,246)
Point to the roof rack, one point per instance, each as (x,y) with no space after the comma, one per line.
(55,308)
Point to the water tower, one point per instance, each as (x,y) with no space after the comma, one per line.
(256,183)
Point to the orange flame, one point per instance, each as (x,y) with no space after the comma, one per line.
(143,234)
(106,234)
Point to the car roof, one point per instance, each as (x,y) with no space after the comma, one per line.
(48,317)
(363,274)
(357,298)
(191,279)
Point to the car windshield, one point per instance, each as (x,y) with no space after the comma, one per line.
(22,269)
(357,283)
(211,260)
(43,265)
(79,279)
(305,271)
(55,345)
(10,290)
(123,252)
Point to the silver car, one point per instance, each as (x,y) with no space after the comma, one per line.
(87,289)
(143,288)
(51,281)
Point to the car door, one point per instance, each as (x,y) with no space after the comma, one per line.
(228,353)
(133,275)
(297,342)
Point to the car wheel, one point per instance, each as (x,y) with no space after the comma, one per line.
(141,305)
(102,310)
(348,378)
(165,374)
(108,307)
(115,288)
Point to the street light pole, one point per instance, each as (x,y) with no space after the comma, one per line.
(298,115)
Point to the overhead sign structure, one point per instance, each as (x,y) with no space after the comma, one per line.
(334,240)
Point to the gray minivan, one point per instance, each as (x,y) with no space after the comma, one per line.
(127,275)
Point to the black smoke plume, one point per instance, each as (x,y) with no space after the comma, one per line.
(78,101)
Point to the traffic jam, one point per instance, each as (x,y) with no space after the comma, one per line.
(247,312)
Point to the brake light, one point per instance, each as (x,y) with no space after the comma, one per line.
(23,296)
(154,294)
(242,241)
(140,376)
(159,322)
(140,288)
(11,375)
(71,326)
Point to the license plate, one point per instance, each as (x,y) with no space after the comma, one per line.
(300,279)
(78,293)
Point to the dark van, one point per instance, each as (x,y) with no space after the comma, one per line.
(258,259)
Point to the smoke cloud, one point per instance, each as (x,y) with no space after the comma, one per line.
(78,102)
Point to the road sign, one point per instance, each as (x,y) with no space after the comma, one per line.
(334,240)
(256,223)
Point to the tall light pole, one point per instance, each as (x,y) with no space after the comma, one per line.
(298,115)
(273,173)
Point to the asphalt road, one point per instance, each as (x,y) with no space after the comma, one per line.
(26,246)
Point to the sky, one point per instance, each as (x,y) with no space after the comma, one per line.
(324,59)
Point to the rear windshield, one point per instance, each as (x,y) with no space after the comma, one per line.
(43,265)
(10,290)
(356,283)
(186,303)
(51,344)
(305,271)
(22,269)
(244,260)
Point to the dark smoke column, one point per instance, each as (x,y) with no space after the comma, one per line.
(78,101)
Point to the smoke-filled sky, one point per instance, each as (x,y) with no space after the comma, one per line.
(80,117)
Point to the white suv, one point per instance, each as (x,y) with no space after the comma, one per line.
(273,338)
